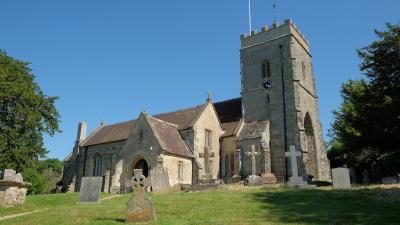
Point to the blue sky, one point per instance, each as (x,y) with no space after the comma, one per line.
(111,59)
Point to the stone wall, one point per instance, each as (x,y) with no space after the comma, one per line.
(207,121)
(141,144)
(171,164)
(292,94)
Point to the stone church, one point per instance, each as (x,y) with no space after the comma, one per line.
(277,111)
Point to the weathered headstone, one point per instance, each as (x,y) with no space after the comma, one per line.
(267,177)
(159,177)
(253,179)
(389,180)
(140,208)
(341,178)
(9,174)
(90,189)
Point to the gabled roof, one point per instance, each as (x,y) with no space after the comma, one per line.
(169,137)
(120,131)
(229,112)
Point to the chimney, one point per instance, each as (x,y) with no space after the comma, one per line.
(81,131)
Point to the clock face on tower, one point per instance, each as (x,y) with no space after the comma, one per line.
(267,84)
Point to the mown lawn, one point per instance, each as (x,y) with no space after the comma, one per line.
(232,205)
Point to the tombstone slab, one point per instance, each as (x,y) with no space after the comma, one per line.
(159,178)
(9,174)
(140,208)
(254,180)
(341,178)
(90,189)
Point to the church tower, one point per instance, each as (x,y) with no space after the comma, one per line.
(278,85)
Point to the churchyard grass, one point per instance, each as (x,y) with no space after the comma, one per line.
(231,205)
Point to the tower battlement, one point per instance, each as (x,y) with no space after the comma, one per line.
(271,33)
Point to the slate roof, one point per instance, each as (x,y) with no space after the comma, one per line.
(169,137)
(252,130)
(229,113)
(229,110)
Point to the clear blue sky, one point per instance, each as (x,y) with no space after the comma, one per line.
(112,59)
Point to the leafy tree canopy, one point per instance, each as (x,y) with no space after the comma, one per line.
(366,129)
(26,113)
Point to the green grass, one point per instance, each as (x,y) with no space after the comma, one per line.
(235,205)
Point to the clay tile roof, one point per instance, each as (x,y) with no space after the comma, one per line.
(252,130)
(183,118)
(169,137)
(229,128)
(111,133)
(120,131)
(228,111)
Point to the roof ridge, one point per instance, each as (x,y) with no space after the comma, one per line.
(180,110)
(228,100)
(163,121)
(118,123)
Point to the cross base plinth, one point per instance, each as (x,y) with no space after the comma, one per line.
(268,178)
(207,179)
(253,180)
(298,182)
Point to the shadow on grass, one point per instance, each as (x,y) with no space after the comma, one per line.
(118,220)
(326,206)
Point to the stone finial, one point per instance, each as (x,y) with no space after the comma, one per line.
(102,121)
(276,24)
(209,96)
(265,28)
(288,21)
(253,32)
(243,36)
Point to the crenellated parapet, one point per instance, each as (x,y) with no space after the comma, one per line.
(277,30)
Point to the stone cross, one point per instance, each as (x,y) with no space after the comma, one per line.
(253,155)
(206,155)
(140,208)
(138,181)
(292,154)
(267,157)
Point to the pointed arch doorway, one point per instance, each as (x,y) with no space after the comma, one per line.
(311,161)
(141,163)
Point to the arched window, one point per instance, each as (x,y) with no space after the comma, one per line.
(97,166)
(266,69)
(180,171)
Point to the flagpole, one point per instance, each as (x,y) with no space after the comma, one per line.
(249,17)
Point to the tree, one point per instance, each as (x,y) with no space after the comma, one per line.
(366,129)
(26,113)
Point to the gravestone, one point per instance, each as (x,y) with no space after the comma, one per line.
(295,180)
(90,189)
(389,180)
(140,208)
(159,177)
(9,174)
(341,178)
(253,179)
(207,176)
